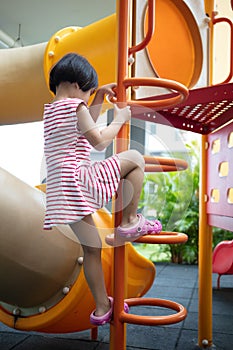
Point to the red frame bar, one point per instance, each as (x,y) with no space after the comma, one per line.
(228,21)
(150,30)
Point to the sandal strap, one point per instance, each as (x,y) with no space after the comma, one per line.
(141,222)
(143,227)
(149,224)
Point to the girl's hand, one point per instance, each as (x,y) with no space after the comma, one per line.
(107,89)
(95,107)
(122,114)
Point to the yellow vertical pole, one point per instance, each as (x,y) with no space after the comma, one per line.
(211,53)
(209,6)
(205,231)
(205,258)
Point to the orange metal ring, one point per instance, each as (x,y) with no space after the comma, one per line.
(156,82)
(154,320)
(163,237)
(160,164)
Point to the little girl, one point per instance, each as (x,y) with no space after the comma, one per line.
(76,188)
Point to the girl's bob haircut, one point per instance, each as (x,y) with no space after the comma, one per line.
(73,68)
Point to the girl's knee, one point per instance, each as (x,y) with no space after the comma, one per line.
(131,160)
(138,158)
(133,156)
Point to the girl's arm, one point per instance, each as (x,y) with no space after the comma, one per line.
(95,107)
(100,139)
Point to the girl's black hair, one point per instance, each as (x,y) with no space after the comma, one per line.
(73,68)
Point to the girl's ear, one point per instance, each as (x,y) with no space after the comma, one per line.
(76,86)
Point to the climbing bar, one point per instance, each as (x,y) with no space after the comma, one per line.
(158,82)
(150,29)
(227,21)
(164,100)
(163,237)
(179,316)
(160,164)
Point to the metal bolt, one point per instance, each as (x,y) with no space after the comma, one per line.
(205,343)
(16,312)
(80,260)
(51,54)
(131,60)
(65,290)
(42,309)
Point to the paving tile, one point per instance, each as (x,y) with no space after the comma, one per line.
(223,324)
(158,291)
(8,340)
(223,341)
(226,281)
(156,338)
(52,343)
(188,340)
(191,321)
(103,346)
(103,331)
(173,282)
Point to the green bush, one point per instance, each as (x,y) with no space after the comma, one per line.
(174,195)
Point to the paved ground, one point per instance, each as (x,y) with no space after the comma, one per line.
(173,282)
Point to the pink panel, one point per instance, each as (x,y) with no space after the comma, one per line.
(220,174)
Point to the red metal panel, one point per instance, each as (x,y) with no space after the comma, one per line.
(205,110)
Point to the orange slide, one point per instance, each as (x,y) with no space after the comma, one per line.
(42,283)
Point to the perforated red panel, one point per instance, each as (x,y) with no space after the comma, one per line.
(220,177)
(205,110)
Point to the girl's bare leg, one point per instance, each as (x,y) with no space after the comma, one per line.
(91,243)
(132,171)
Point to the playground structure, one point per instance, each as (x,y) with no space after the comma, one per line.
(223,259)
(205,110)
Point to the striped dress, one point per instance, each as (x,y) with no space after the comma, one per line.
(75,186)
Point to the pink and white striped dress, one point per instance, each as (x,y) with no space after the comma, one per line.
(75,187)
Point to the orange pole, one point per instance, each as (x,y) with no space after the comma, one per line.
(117,329)
(118,326)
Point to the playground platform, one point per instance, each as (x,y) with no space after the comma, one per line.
(173,282)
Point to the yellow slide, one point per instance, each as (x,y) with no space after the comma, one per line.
(41,271)
(42,283)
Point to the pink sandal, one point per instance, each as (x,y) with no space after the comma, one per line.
(106,318)
(142,228)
